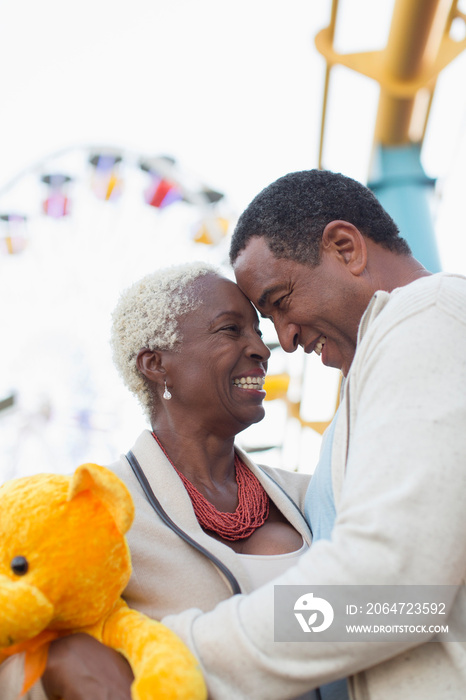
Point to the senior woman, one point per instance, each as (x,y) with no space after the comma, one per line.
(209,523)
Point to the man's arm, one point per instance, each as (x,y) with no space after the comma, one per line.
(399,519)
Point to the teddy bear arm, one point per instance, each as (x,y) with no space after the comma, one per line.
(163,666)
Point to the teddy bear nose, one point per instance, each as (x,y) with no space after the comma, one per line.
(19,565)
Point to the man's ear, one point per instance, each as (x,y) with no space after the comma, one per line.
(346,241)
(149,363)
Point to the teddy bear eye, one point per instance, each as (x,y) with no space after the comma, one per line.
(19,566)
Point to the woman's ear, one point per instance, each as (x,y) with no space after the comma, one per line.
(149,363)
(348,243)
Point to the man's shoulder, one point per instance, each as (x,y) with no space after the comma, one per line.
(446,291)
(442,289)
(432,282)
(452,296)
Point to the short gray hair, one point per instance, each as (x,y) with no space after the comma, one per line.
(147,316)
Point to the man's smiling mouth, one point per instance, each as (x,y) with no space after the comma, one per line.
(320,344)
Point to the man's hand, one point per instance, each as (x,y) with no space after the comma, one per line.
(81,668)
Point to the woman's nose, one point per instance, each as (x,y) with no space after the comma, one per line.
(259,349)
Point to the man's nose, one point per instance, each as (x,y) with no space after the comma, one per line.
(288,335)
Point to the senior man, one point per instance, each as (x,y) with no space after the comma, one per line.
(316,252)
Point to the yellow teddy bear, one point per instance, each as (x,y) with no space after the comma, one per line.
(64,562)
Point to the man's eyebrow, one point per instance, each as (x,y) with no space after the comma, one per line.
(265,295)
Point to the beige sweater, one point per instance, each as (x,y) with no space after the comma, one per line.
(399,477)
(170,575)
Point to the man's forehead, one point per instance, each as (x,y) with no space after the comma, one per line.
(255,245)
(255,259)
(258,272)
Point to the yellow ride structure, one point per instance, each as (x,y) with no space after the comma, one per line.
(419,46)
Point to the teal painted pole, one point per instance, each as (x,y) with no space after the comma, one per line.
(402,187)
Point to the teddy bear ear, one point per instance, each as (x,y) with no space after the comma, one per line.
(106,486)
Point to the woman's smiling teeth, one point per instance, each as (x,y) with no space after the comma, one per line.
(249,382)
(320,344)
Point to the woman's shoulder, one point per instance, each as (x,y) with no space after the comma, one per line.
(286,477)
(142,449)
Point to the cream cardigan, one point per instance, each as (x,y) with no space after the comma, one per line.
(399,477)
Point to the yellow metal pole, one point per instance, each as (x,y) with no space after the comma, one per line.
(418,49)
(331,34)
(414,41)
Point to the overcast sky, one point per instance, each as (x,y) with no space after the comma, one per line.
(233,91)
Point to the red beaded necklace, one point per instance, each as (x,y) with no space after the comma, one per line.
(252,510)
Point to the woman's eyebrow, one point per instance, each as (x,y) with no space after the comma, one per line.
(230,312)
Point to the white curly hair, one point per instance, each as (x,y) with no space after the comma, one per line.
(146,316)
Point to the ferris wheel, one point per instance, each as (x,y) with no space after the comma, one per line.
(75,229)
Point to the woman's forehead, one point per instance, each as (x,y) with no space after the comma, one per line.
(220,295)
(212,283)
